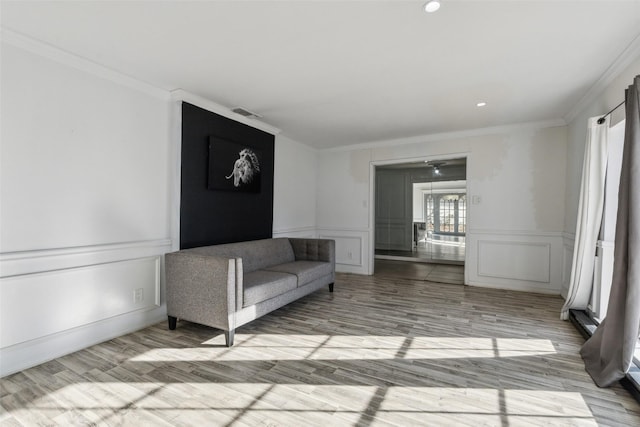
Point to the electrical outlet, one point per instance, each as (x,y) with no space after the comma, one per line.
(138,295)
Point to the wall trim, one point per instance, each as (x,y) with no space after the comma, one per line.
(175,174)
(348,229)
(309,148)
(547,246)
(296,232)
(371,245)
(27,354)
(352,262)
(43,260)
(520,287)
(418,159)
(352,229)
(77,285)
(628,55)
(351,249)
(82,249)
(503,232)
(214,107)
(79,63)
(443,136)
(307,229)
(544,275)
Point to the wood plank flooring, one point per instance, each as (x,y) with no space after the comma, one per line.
(441,273)
(379,351)
(435,248)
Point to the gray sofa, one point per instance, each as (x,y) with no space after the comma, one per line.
(226,286)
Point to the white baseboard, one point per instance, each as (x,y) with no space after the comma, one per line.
(31,353)
(515,286)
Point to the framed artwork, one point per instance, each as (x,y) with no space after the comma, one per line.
(234,166)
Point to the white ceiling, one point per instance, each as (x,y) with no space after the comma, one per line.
(331,73)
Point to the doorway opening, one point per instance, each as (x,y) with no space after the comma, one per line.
(421,215)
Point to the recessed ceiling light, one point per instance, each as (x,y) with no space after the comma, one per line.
(481,104)
(432,6)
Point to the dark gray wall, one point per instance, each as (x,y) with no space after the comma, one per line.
(221,216)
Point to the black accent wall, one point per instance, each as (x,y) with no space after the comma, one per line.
(221,216)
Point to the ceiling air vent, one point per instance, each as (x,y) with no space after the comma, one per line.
(246,113)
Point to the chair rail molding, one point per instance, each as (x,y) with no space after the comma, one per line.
(43,260)
(303,232)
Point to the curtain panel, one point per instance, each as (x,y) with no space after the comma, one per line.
(589,218)
(608,354)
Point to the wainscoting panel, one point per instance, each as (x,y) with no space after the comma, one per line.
(45,303)
(351,249)
(526,261)
(58,301)
(514,260)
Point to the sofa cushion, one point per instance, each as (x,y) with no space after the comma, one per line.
(261,285)
(313,249)
(255,255)
(305,271)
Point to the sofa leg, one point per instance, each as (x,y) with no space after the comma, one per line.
(228,337)
(172,322)
(330,287)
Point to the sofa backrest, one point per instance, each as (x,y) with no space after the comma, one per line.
(256,254)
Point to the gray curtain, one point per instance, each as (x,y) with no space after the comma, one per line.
(609,352)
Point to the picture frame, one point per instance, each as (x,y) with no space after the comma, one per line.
(234,166)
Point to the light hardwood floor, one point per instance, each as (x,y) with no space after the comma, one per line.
(378,351)
(441,273)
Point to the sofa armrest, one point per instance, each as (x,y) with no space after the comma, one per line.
(314,250)
(203,288)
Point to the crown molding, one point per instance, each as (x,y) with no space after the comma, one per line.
(180,95)
(444,136)
(79,63)
(629,54)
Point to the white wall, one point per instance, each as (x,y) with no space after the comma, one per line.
(85,161)
(294,189)
(343,202)
(515,232)
(89,191)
